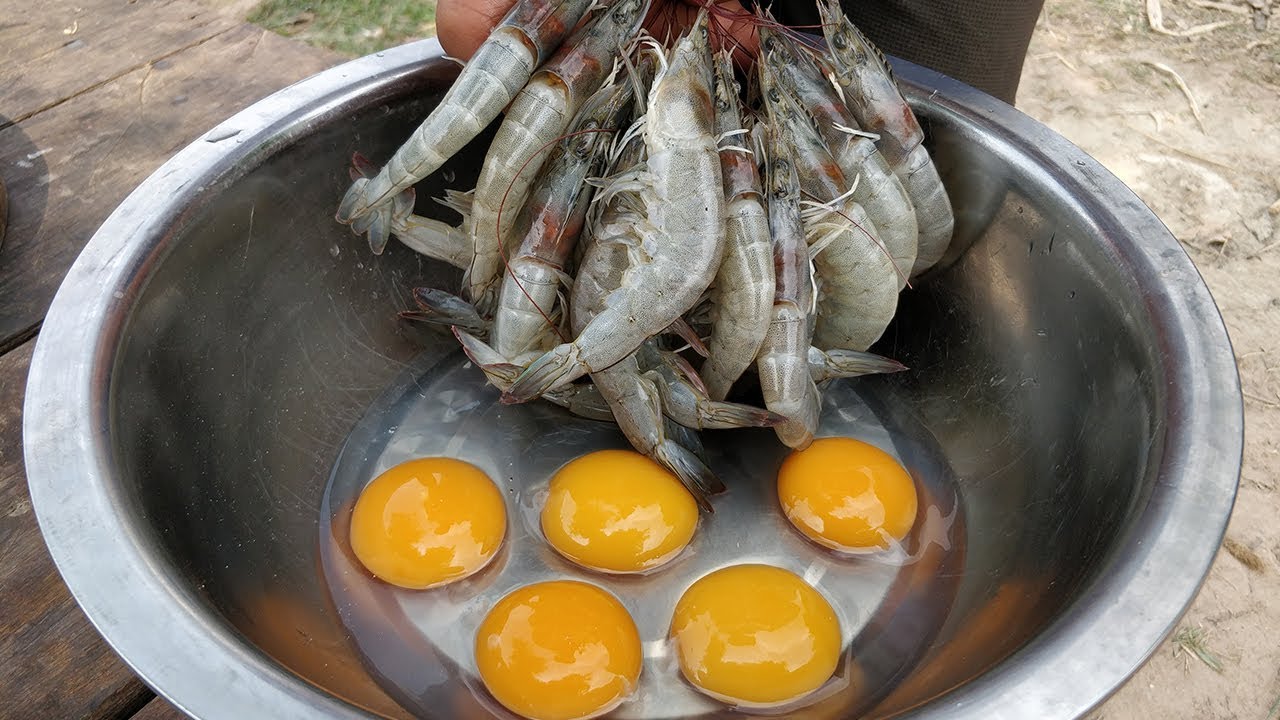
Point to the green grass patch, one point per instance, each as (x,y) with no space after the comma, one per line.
(351,27)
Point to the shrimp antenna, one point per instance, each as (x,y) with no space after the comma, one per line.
(809,41)
(723,22)
(818,210)
(635,47)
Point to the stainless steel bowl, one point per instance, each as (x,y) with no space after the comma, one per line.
(220,336)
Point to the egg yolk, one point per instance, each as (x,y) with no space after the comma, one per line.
(427,522)
(618,511)
(755,635)
(561,650)
(847,495)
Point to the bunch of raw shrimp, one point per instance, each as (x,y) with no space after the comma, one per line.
(632,196)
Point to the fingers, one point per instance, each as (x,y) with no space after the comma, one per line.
(462,25)
(732,26)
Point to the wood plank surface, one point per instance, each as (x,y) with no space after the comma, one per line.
(55,665)
(67,168)
(158,709)
(62,48)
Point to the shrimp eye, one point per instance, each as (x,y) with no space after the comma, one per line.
(839,42)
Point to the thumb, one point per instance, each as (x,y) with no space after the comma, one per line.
(462,25)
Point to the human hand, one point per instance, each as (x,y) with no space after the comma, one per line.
(462,25)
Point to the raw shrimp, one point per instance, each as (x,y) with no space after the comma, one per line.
(783,362)
(685,398)
(681,239)
(857,280)
(539,114)
(551,223)
(635,399)
(876,188)
(743,291)
(872,94)
(493,76)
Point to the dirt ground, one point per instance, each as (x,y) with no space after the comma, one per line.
(1099,74)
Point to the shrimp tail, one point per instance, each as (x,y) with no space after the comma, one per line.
(379,230)
(441,308)
(694,473)
(381,223)
(681,329)
(376,224)
(839,363)
(685,437)
(554,369)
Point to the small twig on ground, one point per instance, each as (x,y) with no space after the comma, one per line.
(1153,114)
(1182,85)
(1057,56)
(1274,712)
(1245,555)
(1266,249)
(1191,640)
(1225,7)
(1260,252)
(1194,156)
(1155,17)
(1257,399)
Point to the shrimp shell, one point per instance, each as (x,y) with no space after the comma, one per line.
(856,275)
(540,113)
(635,398)
(680,242)
(493,76)
(551,223)
(743,291)
(872,95)
(878,190)
(783,361)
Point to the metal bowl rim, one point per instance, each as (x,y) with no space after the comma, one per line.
(162,630)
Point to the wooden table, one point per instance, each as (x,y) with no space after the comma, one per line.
(94,96)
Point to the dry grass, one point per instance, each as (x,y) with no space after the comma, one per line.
(1192,642)
(1245,555)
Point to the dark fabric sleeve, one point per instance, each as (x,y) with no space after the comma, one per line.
(979,42)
